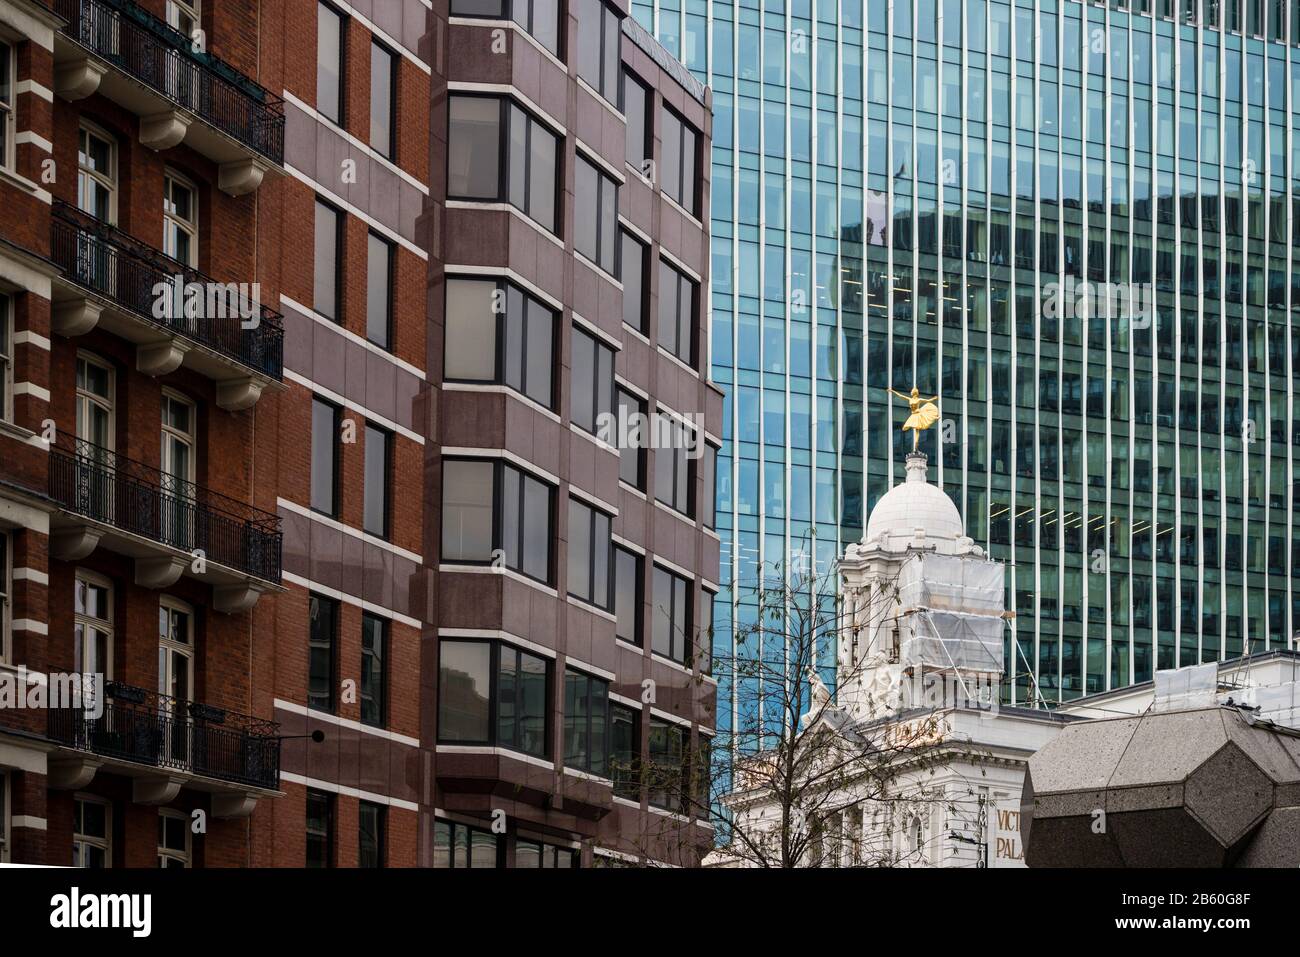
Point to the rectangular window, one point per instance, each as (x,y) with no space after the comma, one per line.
(627,594)
(640,136)
(494,513)
(6,609)
(8,82)
(634,267)
(592,381)
(497,151)
(379,456)
(677,302)
(173,839)
(541,18)
(705,641)
(670,616)
(97,178)
(680,164)
(328,263)
(320,828)
(674,466)
(599,34)
(379,290)
(493,694)
(331,32)
(709,506)
(383,99)
(457,845)
(586,723)
(589,545)
(631,455)
(496,332)
(595,232)
(535,855)
(374,680)
(322,642)
(372,826)
(625,750)
(667,761)
(324,457)
(92,841)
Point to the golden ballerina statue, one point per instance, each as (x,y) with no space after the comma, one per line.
(924,413)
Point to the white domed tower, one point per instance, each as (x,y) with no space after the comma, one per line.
(921,599)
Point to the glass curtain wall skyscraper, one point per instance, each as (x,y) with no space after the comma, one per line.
(915,192)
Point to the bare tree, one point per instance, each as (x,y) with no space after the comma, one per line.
(791,784)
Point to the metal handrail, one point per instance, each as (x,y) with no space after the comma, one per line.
(147,49)
(116,265)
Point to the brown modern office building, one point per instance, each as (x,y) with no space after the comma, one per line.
(316,324)
(566,687)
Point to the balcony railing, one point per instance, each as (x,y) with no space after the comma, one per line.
(102,258)
(150,51)
(145,727)
(99,484)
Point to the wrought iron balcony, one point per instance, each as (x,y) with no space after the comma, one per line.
(161,58)
(108,488)
(157,730)
(104,260)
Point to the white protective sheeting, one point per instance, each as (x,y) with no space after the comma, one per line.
(951,583)
(947,640)
(1178,689)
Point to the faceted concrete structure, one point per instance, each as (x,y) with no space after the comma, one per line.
(1209,787)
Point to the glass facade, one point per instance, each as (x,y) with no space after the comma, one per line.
(1077,224)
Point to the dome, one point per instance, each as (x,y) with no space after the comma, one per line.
(915,505)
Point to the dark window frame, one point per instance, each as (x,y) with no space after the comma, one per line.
(627,780)
(681,336)
(497,842)
(341,120)
(708,509)
(594,515)
(627,77)
(683,635)
(605,184)
(596,412)
(500,343)
(380,812)
(680,500)
(387,474)
(379,696)
(638,617)
(340,309)
(606,60)
(335,606)
(506,104)
(506,10)
(390,150)
(390,280)
(626,235)
(329,800)
(337,412)
(498,500)
(590,766)
(680,164)
(640,407)
(493,740)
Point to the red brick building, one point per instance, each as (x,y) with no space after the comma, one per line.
(226,243)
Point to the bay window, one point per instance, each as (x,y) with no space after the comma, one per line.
(494,513)
(599,36)
(496,332)
(493,694)
(633,264)
(670,636)
(497,151)
(596,232)
(674,465)
(628,590)
(540,18)
(679,166)
(593,381)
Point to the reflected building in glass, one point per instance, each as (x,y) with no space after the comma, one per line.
(899,191)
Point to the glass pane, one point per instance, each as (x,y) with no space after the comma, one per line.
(474,147)
(329,54)
(379,291)
(467,511)
(381,99)
(471,330)
(464,682)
